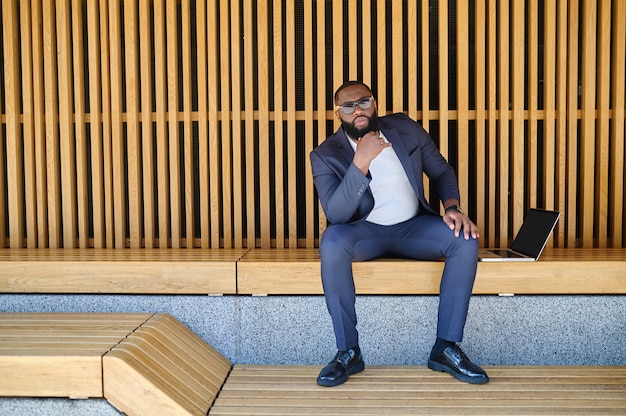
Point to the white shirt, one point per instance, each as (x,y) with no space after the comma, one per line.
(394,198)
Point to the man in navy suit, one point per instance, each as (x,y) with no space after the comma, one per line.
(368,176)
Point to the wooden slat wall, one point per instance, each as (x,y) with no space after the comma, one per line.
(165,123)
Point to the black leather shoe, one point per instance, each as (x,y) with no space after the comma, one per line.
(343,364)
(454,362)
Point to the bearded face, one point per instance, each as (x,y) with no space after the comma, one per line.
(359,127)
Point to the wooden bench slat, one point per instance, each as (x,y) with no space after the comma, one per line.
(208,366)
(195,346)
(121,255)
(68,318)
(512,390)
(34,333)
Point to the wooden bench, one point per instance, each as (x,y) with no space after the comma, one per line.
(129,271)
(141,363)
(292,272)
(148,364)
(558,271)
(416,390)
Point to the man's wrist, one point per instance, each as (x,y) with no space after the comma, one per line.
(455,207)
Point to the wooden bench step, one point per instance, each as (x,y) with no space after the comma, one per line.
(558,271)
(58,354)
(142,271)
(142,363)
(293,272)
(519,390)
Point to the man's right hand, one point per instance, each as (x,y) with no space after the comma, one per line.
(367,148)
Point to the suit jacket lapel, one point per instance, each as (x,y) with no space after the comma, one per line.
(403,154)
(346,151)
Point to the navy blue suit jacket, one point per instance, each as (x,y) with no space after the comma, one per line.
(344,191)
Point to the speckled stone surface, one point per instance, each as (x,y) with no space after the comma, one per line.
(394,330)
(56,407)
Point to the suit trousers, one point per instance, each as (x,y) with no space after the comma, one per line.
(424,237)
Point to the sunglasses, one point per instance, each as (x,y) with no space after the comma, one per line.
(349,107)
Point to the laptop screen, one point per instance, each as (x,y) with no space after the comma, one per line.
(534,233)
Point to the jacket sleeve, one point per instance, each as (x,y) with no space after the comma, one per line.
(343,193)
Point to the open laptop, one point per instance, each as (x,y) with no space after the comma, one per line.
(529,241)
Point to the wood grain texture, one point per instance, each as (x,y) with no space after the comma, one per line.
(520,390)
(119,271)
(58,354)
(558,271)
(163,369)
(142,363)
(160,123)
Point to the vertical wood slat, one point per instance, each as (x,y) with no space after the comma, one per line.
(308,127)
(95,124)
(13,127)
(411,51)
(517,99)
(133,143)
(173,122)
(397,52)
(187,70)
(279,172)
(78,76)
(366,38)
(292,208)
(233,83)
(323,90)
(503,123)
(203,127)
(162,162)
(532,82)
(492,126)
(481,139)
(602,199)
(264,127)
(463,98)
(117,144)
(147,165)
(561,122)
(53,185)
(28,126)
(225,137)
(572,124)
(107,124)
(353,33)
(39,117)
(66,126)
(549,99)
(382,56)
(588,81)
(3,191)
(248,163)
(444,113)
(618,154)
(425,62)
(213,51)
